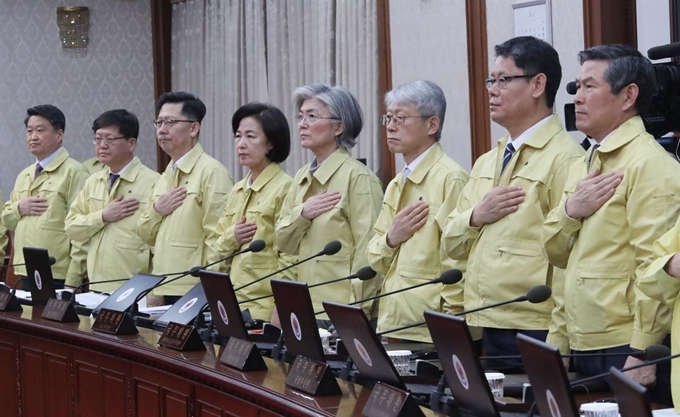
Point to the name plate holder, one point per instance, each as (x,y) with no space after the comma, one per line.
(312,377)
(242,355)
(114,322)
(9,302)
(388,401)
(60,310)
(181,337)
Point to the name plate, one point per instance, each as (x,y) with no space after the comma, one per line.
(113,322)
(312,377)
(181,337)
(242,355)
(8,302)
(387,401)
(60,310)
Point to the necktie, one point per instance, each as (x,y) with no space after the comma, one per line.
(507,156)
(112,179)
(407,172)
(592,153)
(38,170)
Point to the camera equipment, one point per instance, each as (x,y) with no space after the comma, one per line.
(663,114)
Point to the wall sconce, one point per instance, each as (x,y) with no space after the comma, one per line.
(74,24)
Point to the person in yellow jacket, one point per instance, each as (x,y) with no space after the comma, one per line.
(661,281)
(335,197)
(406,245)
(496,225)
(620,198)
(262,141)
(93,165)
(104,215)
(42,194)
(187,200)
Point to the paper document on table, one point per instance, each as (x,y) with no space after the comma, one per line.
(666,412)
(91,299)
(154,312)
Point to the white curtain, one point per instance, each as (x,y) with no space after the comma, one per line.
(232,52)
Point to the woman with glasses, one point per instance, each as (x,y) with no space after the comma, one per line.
(335,197)
(262,141)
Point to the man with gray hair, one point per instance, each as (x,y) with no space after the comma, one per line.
(406,246)
(497,223)
(621,197)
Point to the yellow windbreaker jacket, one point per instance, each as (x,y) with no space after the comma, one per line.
(182,238)
(260,204)
(437,180)
(606,253)
(115,249)
(505,259)
(350,222)
(59,182)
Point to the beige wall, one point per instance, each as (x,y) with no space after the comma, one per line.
(115,72)
(429,41)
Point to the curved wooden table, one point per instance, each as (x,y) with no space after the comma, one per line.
(65,369)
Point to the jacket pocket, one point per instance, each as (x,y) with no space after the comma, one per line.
(602,300)
(260,260)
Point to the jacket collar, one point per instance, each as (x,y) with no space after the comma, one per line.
(426,164)
(328,167)
(59,159)
(270,171)
(541,136)
(190,159)
(629,130)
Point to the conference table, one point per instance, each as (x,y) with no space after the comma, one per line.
(49,368)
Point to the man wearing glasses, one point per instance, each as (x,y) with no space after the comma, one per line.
(406,244)
(187,200)
(496,225)
(42,194)
(104,214)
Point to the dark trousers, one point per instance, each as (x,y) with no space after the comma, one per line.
(659,393)
(503,342)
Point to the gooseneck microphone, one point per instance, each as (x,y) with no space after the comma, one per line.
(448,277)
(52,259)
(535,295)
(363,274)
(331,248)
(255,246)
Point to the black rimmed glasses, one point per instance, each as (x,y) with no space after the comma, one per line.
(170,122)
(503,80)
(312,118)
(386,119)
(98,141)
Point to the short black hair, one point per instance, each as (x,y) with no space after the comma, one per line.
(274,125)
(626,66)
(534,56)
(192,107)
(51,113)
(126,122)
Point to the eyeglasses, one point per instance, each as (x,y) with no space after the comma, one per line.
(312,118)
(98,141)
(503,80)
(386,119)
(170,122)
